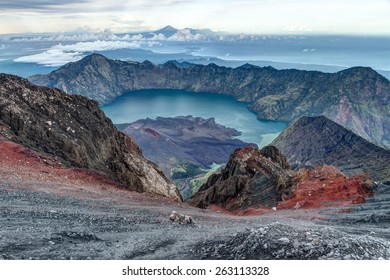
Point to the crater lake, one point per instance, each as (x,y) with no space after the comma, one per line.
(226,110)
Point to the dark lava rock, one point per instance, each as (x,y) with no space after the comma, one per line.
(312,141)
(274,154)
(280,241)
(75,130)
(252,177)
(357,98)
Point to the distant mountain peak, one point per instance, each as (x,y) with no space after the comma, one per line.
(168,28)
(316,120)
(167,31)
(171,63)
(362,71)
(248,66)
(148,64)
(94,56)
(176,64)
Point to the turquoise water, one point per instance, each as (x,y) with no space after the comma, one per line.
(226,110)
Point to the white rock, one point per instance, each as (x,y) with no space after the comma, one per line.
(284,240)
(180,218)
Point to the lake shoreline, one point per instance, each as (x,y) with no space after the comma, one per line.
(226,110)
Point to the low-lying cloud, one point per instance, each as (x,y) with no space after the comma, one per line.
(72,37)
(61,54)
(105,35)
(64,49)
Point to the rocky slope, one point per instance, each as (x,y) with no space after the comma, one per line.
(357,98)
(326,186)
(263,179)
(52,212)
(49,211)
(312,141)
(280,241)
(252,177)
(73,129)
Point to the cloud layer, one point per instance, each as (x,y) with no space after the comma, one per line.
(61,54)
(64,52)
(248,16)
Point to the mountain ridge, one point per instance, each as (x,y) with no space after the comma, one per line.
(312,141)
(357,98)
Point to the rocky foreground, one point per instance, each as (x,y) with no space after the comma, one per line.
(277,241)
(48,211)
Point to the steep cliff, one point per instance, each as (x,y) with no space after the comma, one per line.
(252,177)
(74,129)
(313,141)
(357,98)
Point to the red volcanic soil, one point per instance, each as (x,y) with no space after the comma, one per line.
(22,163)
(24,168)
(21,167)
(326,186)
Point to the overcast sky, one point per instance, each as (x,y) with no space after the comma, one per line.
(368,17)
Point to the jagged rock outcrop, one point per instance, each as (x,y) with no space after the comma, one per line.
(252,177)
(357,98)
(263,178)
(74,129)
(313,141)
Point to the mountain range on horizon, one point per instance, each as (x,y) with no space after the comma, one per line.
(169,30)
